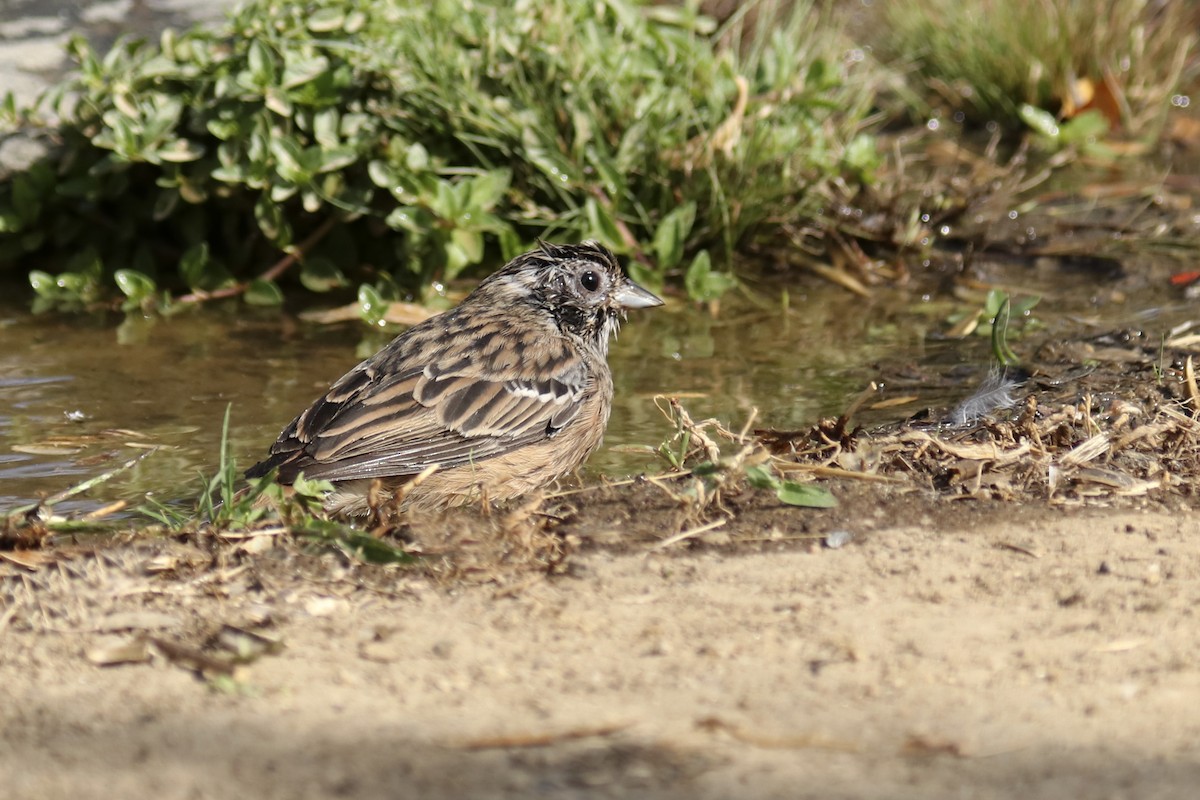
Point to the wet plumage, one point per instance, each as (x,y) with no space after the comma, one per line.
(503,393)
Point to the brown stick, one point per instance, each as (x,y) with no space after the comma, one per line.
(274,271)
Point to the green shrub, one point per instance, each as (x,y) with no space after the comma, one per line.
(400,144)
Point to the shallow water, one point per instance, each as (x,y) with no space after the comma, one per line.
(82,394)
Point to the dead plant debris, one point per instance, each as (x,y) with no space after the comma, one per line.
(1122,428)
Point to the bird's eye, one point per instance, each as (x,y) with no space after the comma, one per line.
(590,281)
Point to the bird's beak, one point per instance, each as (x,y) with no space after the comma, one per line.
(630,295)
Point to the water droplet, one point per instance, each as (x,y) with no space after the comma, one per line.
(835,539)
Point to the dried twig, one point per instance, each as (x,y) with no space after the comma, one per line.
(281,266)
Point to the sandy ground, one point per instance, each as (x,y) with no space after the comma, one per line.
(1053,654)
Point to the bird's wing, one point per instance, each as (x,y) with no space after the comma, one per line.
(381,422)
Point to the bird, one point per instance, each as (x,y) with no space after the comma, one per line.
(488,401)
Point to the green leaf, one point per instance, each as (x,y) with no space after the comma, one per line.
(325,20)
(511,245)
(601,225)
(73,284)
(549,160)
(325,127)
(444,201)
(181,151)
(1084,128)
(8,109)
(314,489)
(261,62)
(471,242)
(805,494)
(371,306)
(761,477)
(137,286)
(193,265)
(382,174)
(358,544)
(25,198)
(1042,121)
(459,251)
(702,283)
(271,222)
(336,158)
(10,222)
(862,157)
(300,70)
(277,102)
(263,293)
(489,189)
(1026,304)
(1000,349)
(996,299)
(319,274)
(43,284)
(410,218)
(646,277)
(416,158)
(289,161)
(671,235)
(355,21)
(165,204)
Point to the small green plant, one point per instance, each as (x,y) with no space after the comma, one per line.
(994,320)
(793,493)
(1001,351)
(712,473)
(1085,132)
(223,503)
(227,503)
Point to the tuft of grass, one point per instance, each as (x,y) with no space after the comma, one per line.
(1003,61)
(397,145)
(222,503)
(226,506)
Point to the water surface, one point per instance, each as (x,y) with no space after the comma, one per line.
(81,394)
